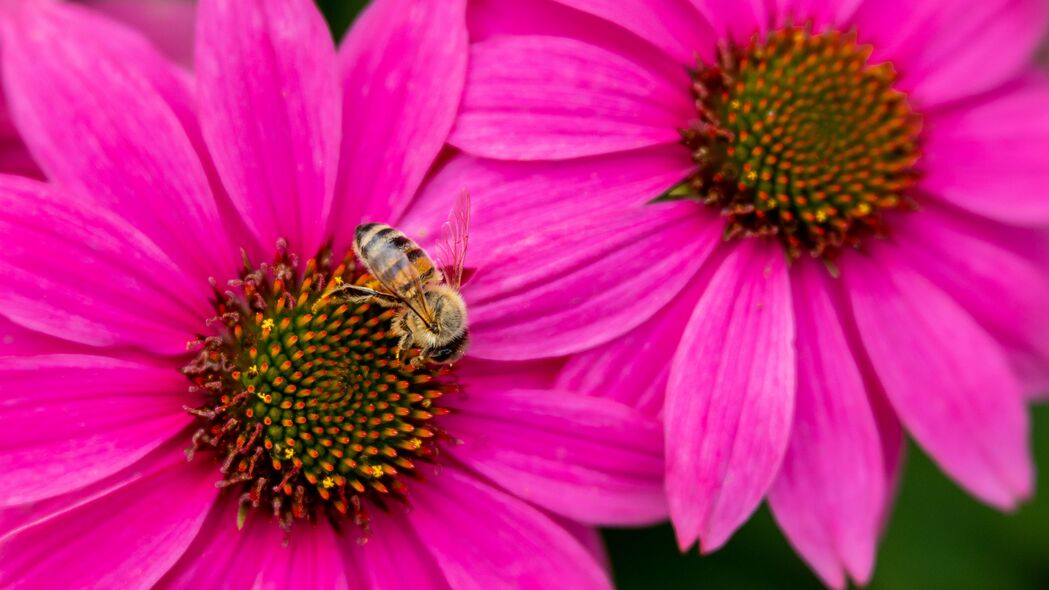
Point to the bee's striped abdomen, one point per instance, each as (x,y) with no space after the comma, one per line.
(388,255)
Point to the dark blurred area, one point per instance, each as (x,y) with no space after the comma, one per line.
(340,13)
(938,537)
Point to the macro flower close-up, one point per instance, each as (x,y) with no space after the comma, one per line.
(187,399)
(795,231)
(524,294)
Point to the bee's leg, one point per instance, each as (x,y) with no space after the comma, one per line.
(358,294)
(399,327)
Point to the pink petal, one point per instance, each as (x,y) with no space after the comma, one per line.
(24,515)
(633,368)
(109,118)
(1033,372)
(483,538)
(990,157)
(480,373)
(946,378)
(558,193)
(552,18)
(77,272)
(730,396)
(270,106)
(393,556)
(831,490)
(672,25)
(893,444)
(222,556)
(17,340)
(738,19)
(590,538)
(562,292)
(946,50)
(73,419)
(544,97)
(119,540)
(14,157)
(12,518)
(1004,291)
(403,68)
(169,24)
(590,459)
(822,14)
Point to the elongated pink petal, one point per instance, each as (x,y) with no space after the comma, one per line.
(989,157)
(553,18)
(270,109)
(18,340)
(946,50)
(590,538)
(633,368)
(107,117)
(831,490)
(558,193)
(994,283)
(403,67)
(21,516)
(590,459)
(738,19)
(77,272)
(946,378)
(169,24)
(15,159)
(393,556)
(730,396)
(14,156)
(483,538)
(70,420)
(488,375)
(890,431)
(822,14)
(564,293)
(1032,371)
(12,518)
(125,539)
(221,556)
(538,97)
(672,25)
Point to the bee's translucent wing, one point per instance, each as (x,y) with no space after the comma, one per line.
(395,273)
(455,233)
(416,298)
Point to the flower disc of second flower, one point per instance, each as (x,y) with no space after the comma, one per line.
(799,137)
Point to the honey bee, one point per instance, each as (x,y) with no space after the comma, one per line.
(432,313)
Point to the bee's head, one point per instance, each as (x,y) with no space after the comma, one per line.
(450,351)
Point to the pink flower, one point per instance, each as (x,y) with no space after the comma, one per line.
(850,245)
(160,198)
(168,24)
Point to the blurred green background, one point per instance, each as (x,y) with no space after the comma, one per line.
(938,537)
(340,13)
